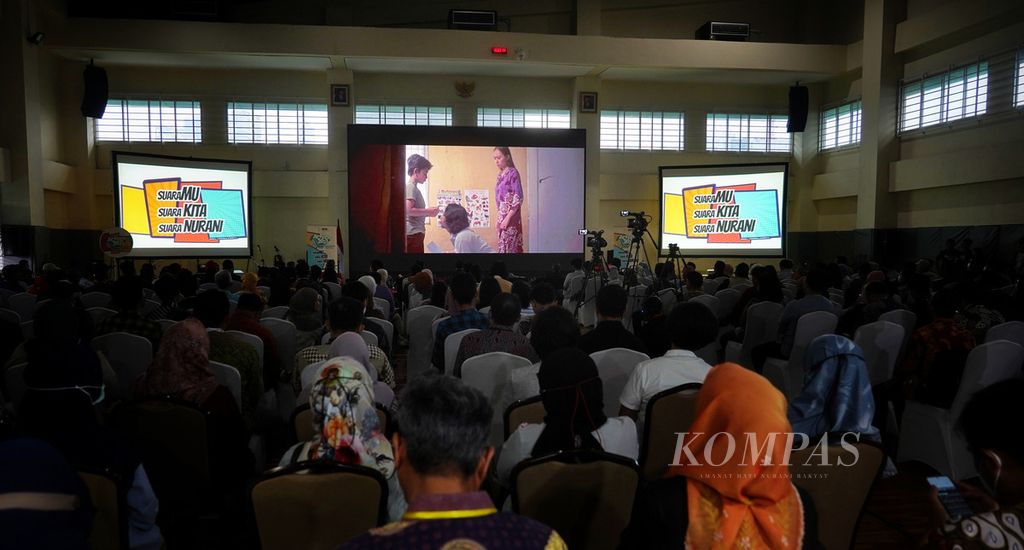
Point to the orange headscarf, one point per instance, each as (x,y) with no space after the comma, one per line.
(737,504)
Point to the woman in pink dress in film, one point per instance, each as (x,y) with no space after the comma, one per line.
(509,194)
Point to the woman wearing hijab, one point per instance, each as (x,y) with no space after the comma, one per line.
(346,428)
(352,346)
(371,284)
(734,504)
(572,392)
(250,284)
(837,392)
(420,286)
(304,311)
(181,369)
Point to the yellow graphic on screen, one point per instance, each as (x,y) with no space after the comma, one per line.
(154,220)
(690,206)
(674,216)
(133,210)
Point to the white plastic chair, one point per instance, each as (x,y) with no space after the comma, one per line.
(95,299)
(389,328)
(10,316)
(928,434)
(166,324)
(285,335)
(100,314)
(588,310)
(904,318)
(230,378)
(712,302)
(421,338)
(788,376)
(880,342)
(614,367)
(489,373)
(15,380)
(727,300)
(23,303)
(250,339)
(382,305)
(370,338)
(333,290)
(710,286)
(451,348)
(276,312)
(1010,330)
(762,327)
(668,299)
(129,355)
(207,286)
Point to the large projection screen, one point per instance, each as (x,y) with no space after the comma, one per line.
(176,207)
(724,210)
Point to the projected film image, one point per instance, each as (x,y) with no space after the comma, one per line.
(735,210)
(467,199)
(179,207)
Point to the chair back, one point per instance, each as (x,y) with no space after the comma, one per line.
(110,518)
(166,324)
(1010,330)
(370,338)
(839,483)
(808,327)
(10,316)
(419,323)
(95,299)
(451,348)
(207,286)
(987,364)
(382,305)
(904,318)
(148,308)
(297,506)
(276,312)
(286,336)
(489,373)
(668,299)
(100,314)
(333,290)
(586,496)
(14,380)
(129,355)
(387,326)
(26,330)
(762,326)
(712,302)
(880,342)
(23,303)
(727,300)
(230,378)
(614,367)
(302,423)
(588,310)
(251,339)
(524,411)
(668,413)
(710,286)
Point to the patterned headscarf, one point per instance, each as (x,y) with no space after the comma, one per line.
(739,502)
(345,419)
(181,367)
(369,283)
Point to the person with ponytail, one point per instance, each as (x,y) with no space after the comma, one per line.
(572,392)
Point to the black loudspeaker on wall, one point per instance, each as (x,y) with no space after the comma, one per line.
(797,109)
(94,96)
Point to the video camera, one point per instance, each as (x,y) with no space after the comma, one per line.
(595,239)
(638,221)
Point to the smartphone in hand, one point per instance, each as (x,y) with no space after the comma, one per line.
(950,497)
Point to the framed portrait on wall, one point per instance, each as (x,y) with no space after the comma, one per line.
(339,95)
(588,102)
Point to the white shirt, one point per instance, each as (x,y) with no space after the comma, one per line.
(675,368)
(616,436)
(522,384)
(468,242)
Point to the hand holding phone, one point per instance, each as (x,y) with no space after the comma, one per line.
(952,501)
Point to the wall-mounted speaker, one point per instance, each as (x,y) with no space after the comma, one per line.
(95,91)
(798,98)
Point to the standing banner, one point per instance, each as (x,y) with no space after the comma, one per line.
(320,245)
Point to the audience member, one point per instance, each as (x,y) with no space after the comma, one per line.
(246,318)
(936,354)
(572,393)
(500,336)
(653,329)
(553,329)
(211,309)
(500,273)
(359,292)
(489,288)
(465,316)
(304,311)
(542,296)
(694,284)
(998,448)
(609,331)
(223,280)
(442,457)
(741,276)
(439,295)
(727,500)
(346,428)
(344,315)
(166,288)
(127,299)
(974,314)
(873,303)
(691,326)
(815,299)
